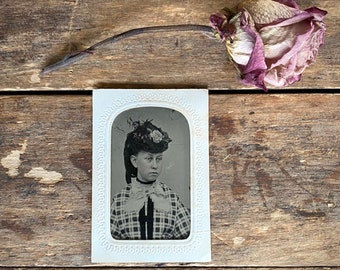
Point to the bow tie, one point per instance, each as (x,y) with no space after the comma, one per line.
(139,195)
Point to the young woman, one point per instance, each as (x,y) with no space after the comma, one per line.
(147,209)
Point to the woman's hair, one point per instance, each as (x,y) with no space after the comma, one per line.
(144,137)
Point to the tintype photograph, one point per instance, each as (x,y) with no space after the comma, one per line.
(150,176)
(153,165)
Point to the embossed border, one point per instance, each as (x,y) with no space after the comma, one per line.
(107,105)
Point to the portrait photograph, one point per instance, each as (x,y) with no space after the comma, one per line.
(150,176)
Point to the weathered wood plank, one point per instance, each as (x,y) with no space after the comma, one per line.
(274,174)
(36,33)
(45,221)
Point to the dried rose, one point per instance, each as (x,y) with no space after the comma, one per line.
(270,41)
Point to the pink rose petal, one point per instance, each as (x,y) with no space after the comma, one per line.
(277,51)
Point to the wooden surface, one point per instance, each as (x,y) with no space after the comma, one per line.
(36,33)
(274,158)
(274,180)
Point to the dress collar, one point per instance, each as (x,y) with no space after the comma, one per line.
(140,192)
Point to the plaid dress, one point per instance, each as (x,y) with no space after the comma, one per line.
(149,222)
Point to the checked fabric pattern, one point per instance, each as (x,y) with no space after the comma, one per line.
(173,224)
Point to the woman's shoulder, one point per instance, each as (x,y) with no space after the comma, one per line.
(164,186)
(123,193)
(167,190)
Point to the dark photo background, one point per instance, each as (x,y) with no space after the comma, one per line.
(176,161)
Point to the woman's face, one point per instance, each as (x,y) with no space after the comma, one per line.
(149,165)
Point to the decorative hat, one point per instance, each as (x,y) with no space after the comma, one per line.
(144,137)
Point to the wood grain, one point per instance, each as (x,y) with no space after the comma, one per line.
(37,33)
(274,159)
(274,180)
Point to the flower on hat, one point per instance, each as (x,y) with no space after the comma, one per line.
(270,41)
(156,136)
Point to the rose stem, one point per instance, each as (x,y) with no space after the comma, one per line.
(77,56)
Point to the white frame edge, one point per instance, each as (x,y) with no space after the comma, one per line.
(107,105)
